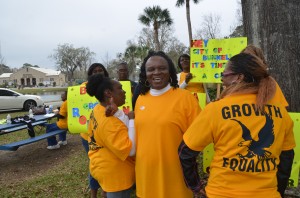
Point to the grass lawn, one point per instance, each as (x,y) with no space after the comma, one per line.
(65,175)
(65,179)
(68,179)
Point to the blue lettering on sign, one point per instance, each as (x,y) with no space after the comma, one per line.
(217,75)
(75,112)
(92,105)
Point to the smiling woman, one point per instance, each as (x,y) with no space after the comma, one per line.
(12,100)
(163,112)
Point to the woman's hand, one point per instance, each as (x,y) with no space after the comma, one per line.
(131,115)
(188,77)
(111,108)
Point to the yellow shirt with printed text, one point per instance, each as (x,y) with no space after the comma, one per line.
(247,145)
(109,147)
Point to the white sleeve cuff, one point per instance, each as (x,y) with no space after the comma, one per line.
(121,116)
(183,85)
(131,123)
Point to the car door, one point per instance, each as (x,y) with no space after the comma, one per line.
(10,100)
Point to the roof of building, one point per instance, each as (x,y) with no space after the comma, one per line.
(48,72)
(5,75)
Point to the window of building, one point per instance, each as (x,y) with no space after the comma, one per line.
(51,79)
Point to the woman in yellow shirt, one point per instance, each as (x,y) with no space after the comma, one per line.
(163,112)
(95,68)
(111,143)
(250,130)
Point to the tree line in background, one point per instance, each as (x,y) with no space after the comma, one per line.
(271,25)
(158,34)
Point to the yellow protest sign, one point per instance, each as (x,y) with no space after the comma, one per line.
(80,106)
(208,154)
(126,86)
(201,97)
(293,180)
(209,57)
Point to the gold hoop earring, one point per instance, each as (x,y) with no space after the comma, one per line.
(147,84)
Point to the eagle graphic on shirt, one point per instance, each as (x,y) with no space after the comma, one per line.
(265,140)
(93,144)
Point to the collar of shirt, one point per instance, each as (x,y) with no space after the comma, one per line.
(155,92)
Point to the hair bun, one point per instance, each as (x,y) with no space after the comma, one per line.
(94,81)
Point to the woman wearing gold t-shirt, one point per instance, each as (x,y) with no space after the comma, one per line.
(163,112)
(250,129)
(111,143)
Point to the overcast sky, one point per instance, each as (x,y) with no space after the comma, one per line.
(31,29)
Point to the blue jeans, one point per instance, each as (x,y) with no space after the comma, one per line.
(94,185)
(52,140)
(120,194)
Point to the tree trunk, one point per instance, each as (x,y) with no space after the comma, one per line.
(157,45)
(188,18)
(274,26)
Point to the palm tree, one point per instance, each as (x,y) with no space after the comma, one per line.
(134,55)
(188,16)
(157,17)
(130,56)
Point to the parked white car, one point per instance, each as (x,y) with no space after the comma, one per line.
(12,100)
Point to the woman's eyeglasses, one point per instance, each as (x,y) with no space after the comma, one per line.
(224,74)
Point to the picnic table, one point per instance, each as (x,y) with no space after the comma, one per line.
(39,120)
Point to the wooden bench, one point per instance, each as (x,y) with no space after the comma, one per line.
(17,128)
(15,145)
